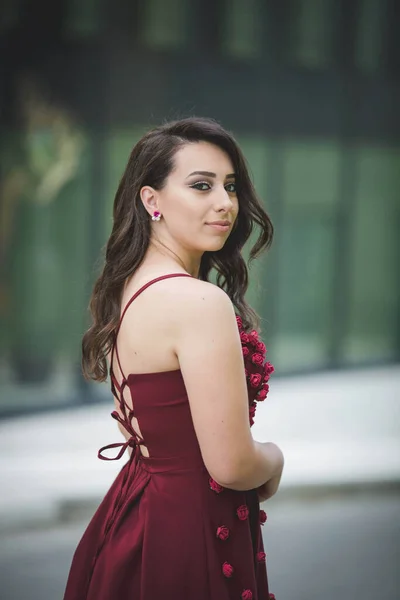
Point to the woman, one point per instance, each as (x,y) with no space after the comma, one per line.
(182,519)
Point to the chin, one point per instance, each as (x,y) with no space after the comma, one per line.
(215,245)
(210,243)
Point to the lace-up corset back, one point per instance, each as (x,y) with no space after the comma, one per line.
(123,394)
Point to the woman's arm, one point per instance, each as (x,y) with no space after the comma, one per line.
(210,356)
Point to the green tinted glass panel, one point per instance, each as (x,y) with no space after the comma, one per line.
(305,269)
(311,174)
(84,18)
(47,173)
(257,151)
(374,298)
(312,33)
(164,24)
(119,147)
(305,250)
(242,28)
(369,34)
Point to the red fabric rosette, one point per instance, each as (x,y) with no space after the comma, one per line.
(257,369)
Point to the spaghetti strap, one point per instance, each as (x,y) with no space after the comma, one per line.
(135,295)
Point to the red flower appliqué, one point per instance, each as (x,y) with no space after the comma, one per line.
(263,516)
(215,487)
(242,512)
(261,348)
(272,597)
(257,359)
(254,336)
(245,338)
(262,394)
(256,372)
(261,556)
(222,533)
(255,380)
(227,569)
(252,413)
(252,409)
(247,595)
(268,369)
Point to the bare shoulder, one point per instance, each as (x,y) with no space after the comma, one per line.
(200,300)
(191,287)
(196,289)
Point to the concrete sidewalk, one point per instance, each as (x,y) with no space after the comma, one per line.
(336,429)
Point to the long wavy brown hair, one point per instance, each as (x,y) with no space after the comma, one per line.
(150,163)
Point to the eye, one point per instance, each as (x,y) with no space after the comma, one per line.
(202,186)
(231,188)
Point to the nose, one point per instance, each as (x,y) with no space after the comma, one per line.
(223,201)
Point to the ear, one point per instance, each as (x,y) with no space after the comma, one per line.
(148,196)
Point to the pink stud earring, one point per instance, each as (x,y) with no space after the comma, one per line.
(156,216)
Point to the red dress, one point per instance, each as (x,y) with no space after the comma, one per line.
(165,530)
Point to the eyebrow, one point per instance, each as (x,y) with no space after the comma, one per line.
(210,174)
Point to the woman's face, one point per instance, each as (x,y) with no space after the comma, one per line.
(198,203)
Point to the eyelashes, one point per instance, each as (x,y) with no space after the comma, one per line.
(204,186)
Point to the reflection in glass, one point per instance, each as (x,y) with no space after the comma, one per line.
(42,241)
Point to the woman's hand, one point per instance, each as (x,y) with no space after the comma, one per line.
(270,487)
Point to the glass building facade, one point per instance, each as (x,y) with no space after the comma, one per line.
(311,90)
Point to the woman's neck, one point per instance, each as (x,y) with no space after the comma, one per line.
(159,253)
